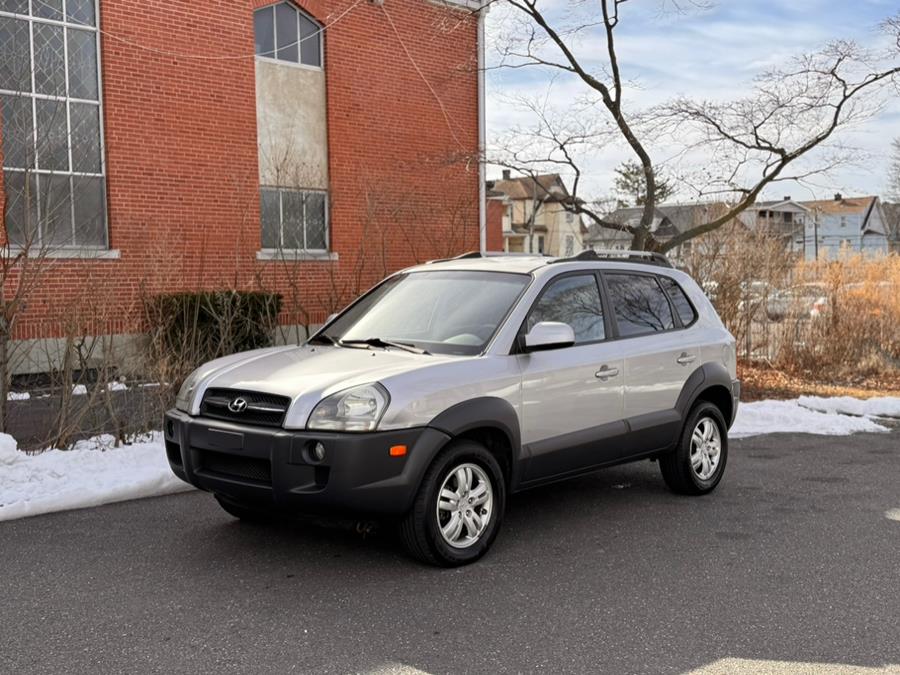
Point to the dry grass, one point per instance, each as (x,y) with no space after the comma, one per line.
(857,338)
(760,382)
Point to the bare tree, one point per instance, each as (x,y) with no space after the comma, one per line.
(893,182)
(631,186)
(747,144)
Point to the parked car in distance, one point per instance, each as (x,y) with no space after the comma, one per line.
(754,295)
(801,302)
(451,385)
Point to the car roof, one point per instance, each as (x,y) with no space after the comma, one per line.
(533,264)
(523,264)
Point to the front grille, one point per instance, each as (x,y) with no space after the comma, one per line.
(266,410)
(236,466)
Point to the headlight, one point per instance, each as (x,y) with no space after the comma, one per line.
(356,409)
(186,393)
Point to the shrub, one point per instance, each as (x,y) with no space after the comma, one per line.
(188,329)
(858,335)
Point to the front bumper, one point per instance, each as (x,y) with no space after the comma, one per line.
(273,468)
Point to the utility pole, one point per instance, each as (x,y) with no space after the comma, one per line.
(816,232)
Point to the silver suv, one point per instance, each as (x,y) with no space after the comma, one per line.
(452,384)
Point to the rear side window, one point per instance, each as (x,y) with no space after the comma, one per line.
(639,304)
(574,300)
(683,306)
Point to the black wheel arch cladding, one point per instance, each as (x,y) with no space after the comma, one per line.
(483,412)
(708,376)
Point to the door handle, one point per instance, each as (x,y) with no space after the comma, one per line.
(686,358)
(605,373)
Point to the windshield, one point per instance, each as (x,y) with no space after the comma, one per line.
(440,312)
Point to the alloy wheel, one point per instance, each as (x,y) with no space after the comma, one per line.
(706,448)
(464,506)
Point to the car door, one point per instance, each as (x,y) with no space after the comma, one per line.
(659,353)
(571,396)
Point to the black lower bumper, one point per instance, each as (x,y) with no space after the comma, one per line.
(275,467)
(735,400)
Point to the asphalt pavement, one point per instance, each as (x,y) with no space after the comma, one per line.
(792,565)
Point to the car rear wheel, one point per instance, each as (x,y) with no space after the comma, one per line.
(458,509)
(697,464)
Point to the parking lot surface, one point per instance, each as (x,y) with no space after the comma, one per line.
(794,562)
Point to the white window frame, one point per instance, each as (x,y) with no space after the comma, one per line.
(31,19)
(299,63)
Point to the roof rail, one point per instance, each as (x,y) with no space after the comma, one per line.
(647,257)
(487,254)
(461,256)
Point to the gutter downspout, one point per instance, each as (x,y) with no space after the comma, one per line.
(482,189)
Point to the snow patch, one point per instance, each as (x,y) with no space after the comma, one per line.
(91,474)
(116,386)
(883,406)
(17,396)
(892,514)
(769,417)
(79,390)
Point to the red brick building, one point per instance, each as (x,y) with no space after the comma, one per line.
(307,148)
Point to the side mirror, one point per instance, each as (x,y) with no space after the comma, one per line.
(549,335)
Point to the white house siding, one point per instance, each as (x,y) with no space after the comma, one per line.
(837,232)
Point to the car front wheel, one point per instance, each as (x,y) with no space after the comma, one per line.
(697,464)
(458,509)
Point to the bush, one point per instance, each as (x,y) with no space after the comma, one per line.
(188,329)
(857,336)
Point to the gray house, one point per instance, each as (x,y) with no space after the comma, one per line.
(824,228)
(669,220)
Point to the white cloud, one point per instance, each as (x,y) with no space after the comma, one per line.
(706,54)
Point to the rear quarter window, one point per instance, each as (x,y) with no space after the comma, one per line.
(683,306)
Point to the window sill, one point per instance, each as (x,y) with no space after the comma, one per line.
(289,64)
(295,255)
(64,253)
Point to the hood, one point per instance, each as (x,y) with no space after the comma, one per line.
(310,373)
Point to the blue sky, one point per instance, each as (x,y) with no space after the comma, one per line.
(710,53)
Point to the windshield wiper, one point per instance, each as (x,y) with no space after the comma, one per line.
(323,338)
(380,342)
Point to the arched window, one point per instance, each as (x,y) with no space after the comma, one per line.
(285,33)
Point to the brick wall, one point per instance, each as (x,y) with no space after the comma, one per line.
(181,156)
(496,209)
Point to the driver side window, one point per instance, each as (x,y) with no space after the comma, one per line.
(574,300)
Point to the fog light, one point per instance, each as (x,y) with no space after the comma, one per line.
(318,452)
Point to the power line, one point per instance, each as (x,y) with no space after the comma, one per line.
(200,57)
(424,79)
(320,31)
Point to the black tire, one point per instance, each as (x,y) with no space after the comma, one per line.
(247,514)
(676,466)
(420,530)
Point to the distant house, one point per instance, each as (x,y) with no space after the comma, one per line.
(534,215)
(669,220)
(892,216)
(823,228)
